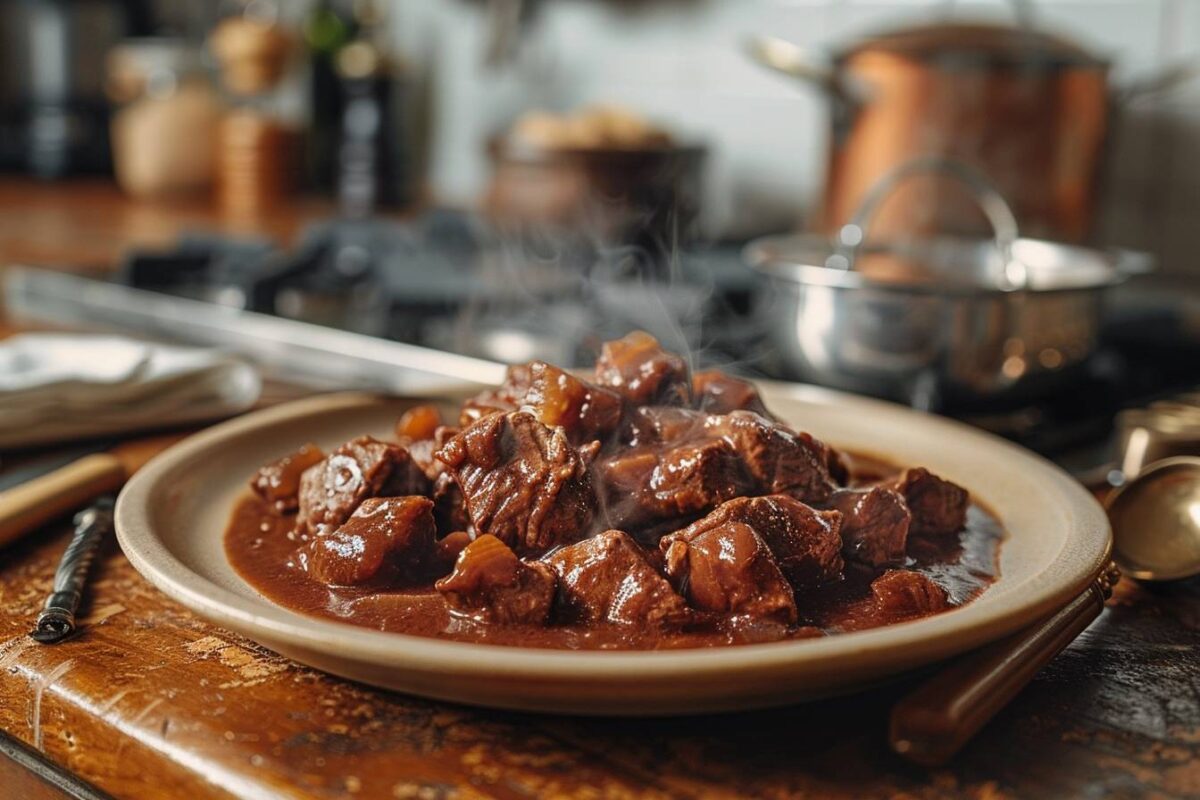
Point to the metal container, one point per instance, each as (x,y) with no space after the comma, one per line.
(1029,109)
(1164,430)
(647,196)
(934,319)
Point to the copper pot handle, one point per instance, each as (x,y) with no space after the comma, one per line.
(851,236)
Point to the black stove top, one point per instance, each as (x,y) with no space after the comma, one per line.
(445,280)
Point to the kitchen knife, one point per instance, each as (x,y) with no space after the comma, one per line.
(26,471)
(53,487)
(63,483)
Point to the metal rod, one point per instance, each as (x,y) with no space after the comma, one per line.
(57,620)
(283,347)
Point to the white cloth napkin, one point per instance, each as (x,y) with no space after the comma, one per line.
(55,387)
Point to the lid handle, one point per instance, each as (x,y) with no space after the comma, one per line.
(1022,12)
(1012,273)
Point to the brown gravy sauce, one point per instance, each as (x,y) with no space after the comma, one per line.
(259,545)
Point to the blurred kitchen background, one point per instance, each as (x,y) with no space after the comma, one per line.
(516,179)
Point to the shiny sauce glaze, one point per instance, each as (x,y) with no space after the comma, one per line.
(640,507)
(266,551)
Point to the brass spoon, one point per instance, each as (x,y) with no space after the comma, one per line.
(1156,521)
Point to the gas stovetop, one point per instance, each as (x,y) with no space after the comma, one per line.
(446,283)
(446,280)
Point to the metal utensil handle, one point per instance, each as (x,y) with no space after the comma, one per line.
(790,59)
(1022,12)
(57,620)
(999,214)
(1163,80)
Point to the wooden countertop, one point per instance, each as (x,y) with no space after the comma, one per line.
(90,224)
(149,701)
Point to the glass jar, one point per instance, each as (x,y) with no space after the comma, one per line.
(168,110)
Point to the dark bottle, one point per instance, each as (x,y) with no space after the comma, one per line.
(373,169)
(326,31)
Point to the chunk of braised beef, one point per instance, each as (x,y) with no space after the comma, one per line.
(332,488)
(278,483)
(609,579)
(449,508)
(386,539)
(588,452)
(622,481)
(641,487)
(422,451)
(685,463)
(639,369)
(491,584)
(806,542)
(839,470)
(692,477)
(521,482)
(717,392)
(657,425)
(900,594)
(407,478)
(874,524)
(446,550)
(728,569)
(778,460)
(505,397)
(584,411)
(939,507)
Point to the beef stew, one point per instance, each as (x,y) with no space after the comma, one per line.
(644,508)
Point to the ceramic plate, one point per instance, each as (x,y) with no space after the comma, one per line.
(172,514)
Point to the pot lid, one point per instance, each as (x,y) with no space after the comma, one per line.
(942,265)
(978,44)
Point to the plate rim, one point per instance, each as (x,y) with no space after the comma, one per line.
(954,631)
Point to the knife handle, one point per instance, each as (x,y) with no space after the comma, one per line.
(941,715)
(23,508)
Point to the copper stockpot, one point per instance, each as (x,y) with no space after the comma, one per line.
(1027,109)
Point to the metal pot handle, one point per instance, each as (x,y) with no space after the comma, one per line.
(851,236)
(1022,12)
(1164,80)
(1132,263)
(791,59)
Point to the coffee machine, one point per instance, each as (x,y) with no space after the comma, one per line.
(53,111)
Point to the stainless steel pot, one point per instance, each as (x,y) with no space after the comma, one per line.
(926,320)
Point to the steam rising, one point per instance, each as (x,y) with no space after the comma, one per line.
(556,294)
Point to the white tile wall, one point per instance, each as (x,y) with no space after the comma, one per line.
(679,61)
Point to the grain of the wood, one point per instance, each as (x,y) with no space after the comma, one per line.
(156,702)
